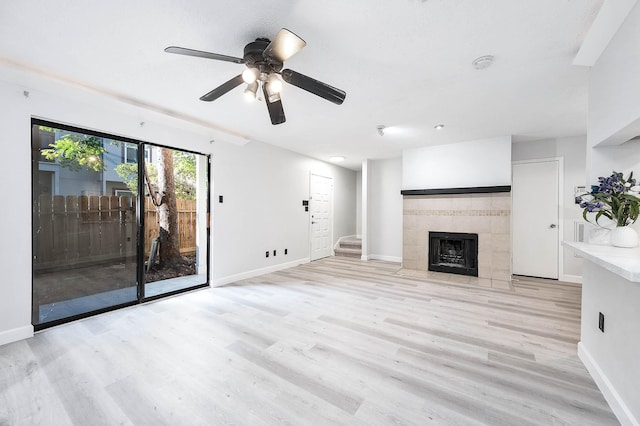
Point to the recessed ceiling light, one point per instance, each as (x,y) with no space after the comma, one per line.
(336,159)
(482,62)
(439,126)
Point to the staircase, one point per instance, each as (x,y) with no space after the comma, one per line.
(349,247)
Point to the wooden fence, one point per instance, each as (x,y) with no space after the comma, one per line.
(186,225)
(82,229)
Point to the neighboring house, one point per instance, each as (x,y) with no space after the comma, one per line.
(57,180)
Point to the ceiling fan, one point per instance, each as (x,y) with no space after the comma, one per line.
(264,60)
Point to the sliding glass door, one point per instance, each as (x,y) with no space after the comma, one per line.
(106,220)
(175,225)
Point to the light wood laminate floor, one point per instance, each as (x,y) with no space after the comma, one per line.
(336,341)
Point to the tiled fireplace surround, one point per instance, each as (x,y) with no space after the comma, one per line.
(485,214)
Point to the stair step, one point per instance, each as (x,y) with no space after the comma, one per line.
(349,252)
(351,243)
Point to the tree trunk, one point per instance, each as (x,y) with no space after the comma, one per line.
(168,211)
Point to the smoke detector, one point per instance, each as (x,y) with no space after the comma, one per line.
(482,62)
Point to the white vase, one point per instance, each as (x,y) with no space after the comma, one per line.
(624,236)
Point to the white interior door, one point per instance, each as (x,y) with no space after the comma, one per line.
(535,218)
(321,212)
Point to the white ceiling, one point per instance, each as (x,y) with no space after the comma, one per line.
(404,63)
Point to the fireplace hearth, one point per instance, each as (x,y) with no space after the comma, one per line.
(453,252)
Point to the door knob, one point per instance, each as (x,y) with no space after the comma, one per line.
(552,226)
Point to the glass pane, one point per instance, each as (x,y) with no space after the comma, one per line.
(84,225)
(130,153)
(175,222)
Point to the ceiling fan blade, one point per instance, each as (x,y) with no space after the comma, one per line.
(314,86)
(201,54)
(276,111)
(222,89)
(284,45)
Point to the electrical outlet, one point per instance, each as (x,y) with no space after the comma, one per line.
(286,251)
(266,253)
(601,321)
(274,252)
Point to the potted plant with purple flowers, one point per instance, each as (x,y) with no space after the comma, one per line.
(617,199)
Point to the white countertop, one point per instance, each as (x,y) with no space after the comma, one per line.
(621,261)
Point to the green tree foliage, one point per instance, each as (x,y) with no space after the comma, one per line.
(184,170)
(76,152)
(129,174)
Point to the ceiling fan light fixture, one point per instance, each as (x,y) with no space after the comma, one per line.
(275,83)
(284,45)
(272,95)
(250,75)
(250,92)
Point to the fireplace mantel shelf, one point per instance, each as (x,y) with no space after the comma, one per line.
(450,191)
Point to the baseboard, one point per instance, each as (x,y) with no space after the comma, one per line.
(364,257)
(576,279)
(614,400)
(257,272)
(395,259)
(15,334)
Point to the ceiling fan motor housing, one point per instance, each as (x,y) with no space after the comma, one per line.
(254,57)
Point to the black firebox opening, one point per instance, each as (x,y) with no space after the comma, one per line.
(453,252)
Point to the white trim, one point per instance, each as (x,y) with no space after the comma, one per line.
(364,257)
(386,258)
(15,334)
(560,161)
(576,279)
(257,272)
(614,400)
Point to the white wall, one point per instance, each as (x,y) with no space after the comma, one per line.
(612,357)
(614,101)
(614,108)
(263,188)
(15,222)
(614,104)
(613,84)
(485,162)
(573,151)
(385,210)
